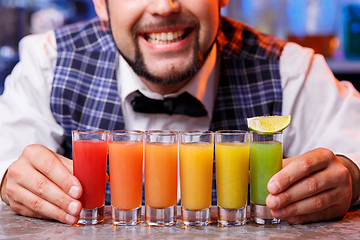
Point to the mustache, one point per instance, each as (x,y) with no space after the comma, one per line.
(172,22)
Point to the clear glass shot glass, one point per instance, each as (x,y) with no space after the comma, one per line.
(89,156)
(161,168)
(196,156)
(265,161)
(126,176)
(232,149)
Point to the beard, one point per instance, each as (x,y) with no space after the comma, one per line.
(173,76)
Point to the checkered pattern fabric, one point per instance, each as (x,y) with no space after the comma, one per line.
(85,95)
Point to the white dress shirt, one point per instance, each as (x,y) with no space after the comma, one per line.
(325,112)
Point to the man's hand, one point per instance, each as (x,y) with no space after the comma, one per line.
(41,184)
(312,187)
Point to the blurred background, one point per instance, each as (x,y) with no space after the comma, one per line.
(330,27)
(19,18)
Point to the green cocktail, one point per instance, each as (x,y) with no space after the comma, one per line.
(265,161)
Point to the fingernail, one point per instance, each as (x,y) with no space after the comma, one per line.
(73,207)
(279,213)
(70,219)
(273,202)
(273,187)
(292,220)
(74,192)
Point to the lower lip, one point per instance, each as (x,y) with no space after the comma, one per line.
(169,46)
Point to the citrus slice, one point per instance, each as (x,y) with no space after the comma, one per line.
(268,124)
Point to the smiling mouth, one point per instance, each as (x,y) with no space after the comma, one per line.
(166,37)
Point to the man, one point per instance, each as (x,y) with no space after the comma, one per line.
(86,76)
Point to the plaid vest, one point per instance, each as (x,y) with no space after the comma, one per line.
(85,94)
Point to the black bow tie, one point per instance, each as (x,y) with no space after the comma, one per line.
(184,104)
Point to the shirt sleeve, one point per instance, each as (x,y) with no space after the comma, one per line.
(325,111)
(26,116)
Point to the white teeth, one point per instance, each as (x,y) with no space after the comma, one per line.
(165,37)
(170,36)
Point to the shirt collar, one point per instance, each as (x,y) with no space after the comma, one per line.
(203,86)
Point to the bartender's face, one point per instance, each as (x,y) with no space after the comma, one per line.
(165,41)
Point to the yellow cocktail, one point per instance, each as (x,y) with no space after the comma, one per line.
(232,149)
(196,168)
(232,174)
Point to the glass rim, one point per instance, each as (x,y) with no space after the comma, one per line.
(90,131)
(232,132)
(125,132)
(161,132)
(196,132)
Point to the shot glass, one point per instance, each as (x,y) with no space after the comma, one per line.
(161,167)
(89,156)
(232,175)
(126,175)
(265,160)
(196,152)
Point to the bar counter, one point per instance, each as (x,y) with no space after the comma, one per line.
(13,226)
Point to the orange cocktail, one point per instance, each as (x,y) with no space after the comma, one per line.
(196,153)
(160,175)
(161,159)
(125,168)
(126,161)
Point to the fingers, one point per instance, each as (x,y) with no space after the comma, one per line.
(22,210)
(302,189)
(53,168)
(355,176)
(39,208)
(3,194)
(40,183)
(322,215)
(45,189)
(310,185)
(333,200)
(65,161)
(297,168)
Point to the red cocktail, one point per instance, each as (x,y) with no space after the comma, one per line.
(89,156)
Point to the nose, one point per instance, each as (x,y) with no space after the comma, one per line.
(164,7)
